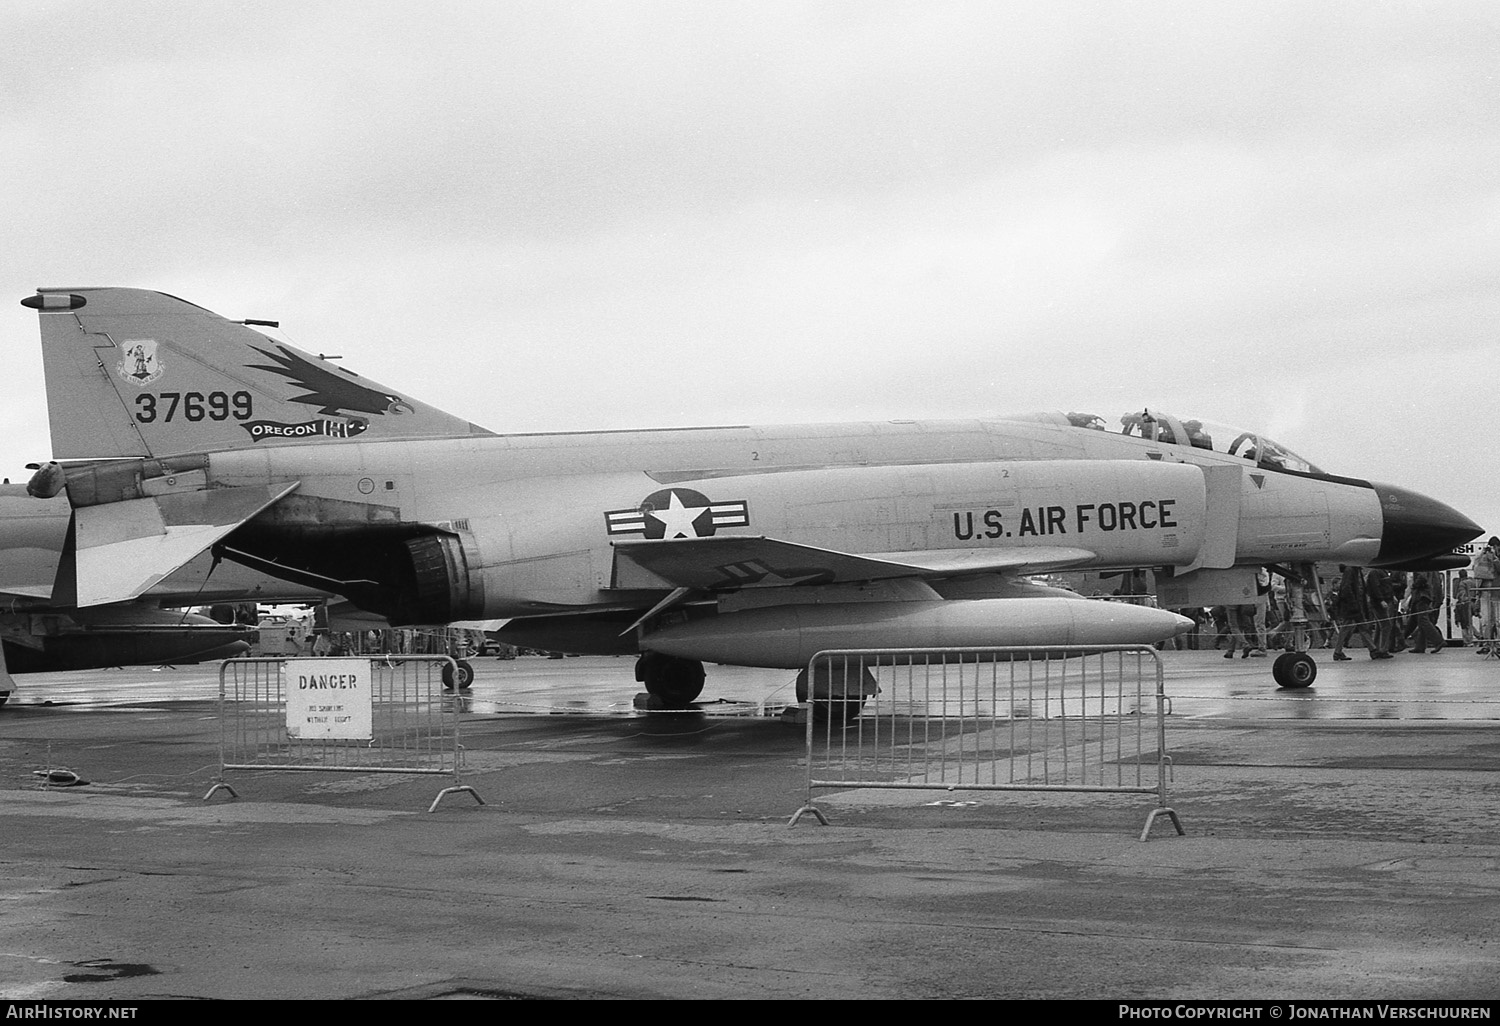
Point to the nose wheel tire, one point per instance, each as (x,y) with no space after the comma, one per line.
(1294,670)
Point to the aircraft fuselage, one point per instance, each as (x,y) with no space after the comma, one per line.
(539,516)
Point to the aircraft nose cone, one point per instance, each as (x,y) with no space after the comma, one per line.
(1417,527)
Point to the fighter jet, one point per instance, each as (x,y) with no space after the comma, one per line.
(176,431)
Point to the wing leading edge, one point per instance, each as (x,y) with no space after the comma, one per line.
(731,563)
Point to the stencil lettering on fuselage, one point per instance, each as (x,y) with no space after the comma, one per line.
(1082,519)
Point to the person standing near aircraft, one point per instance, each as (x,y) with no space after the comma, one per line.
(1260,610)
(1487,591)
(1352,610)
(1219,617)
(1133,588)
(1242,628)
(1382,598)
(1277,617)
(1321,629)
(1426,595)
(1463,605)
(1400,622)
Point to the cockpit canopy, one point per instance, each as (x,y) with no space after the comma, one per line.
(1167,429)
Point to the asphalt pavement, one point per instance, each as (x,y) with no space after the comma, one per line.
(1342,843)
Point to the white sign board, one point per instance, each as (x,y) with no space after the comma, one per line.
(329,698)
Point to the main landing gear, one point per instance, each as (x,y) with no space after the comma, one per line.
(838,692)
(671,682)
(462,678)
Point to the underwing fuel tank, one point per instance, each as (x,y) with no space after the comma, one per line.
(788,636)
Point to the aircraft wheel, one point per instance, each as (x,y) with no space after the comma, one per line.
(463,677)
(672,681)
(1294,670)
(837,697)
(836,712)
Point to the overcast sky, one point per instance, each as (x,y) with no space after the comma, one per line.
(565,215)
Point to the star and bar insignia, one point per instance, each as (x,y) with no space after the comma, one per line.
(677,513)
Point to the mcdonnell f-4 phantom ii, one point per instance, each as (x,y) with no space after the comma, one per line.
(176,431)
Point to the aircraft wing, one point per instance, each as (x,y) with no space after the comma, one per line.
(25,592)
(121,549)
(727,563)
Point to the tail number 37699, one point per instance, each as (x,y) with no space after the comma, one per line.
(193,406)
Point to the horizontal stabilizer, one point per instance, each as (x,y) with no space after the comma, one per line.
(121,549)
(727,563)
(34,532)
(25,592)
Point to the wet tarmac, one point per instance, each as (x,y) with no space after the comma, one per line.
(1342,843)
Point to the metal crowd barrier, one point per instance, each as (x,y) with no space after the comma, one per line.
(1092,719)
(413,725)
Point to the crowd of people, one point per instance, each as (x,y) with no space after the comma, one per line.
(1388,611)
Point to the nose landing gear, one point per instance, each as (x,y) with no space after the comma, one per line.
(1294,670)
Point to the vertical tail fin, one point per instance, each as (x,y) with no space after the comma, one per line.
(137,373)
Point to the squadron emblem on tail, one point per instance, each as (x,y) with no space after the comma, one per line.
(140,363)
